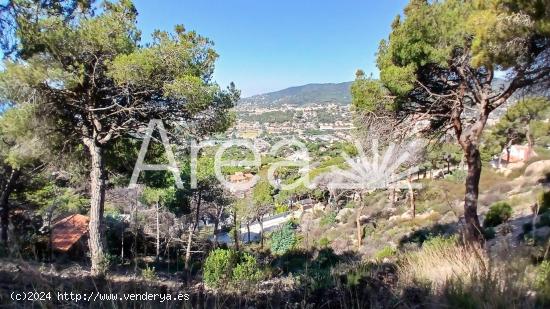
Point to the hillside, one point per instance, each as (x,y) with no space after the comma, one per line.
(338,93)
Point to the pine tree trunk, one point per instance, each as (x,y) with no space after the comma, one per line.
(235,230)
(188,249)
(135,232)
(215,234)
(530,143)
(411,197)
(5,206)
(499,162)
(192,229)
(97,202)
(473,231)
(392,197)
(261,221)
(122,246)
(359,228)
(158,234)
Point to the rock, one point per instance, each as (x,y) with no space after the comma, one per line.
(406,215)
(425,215)
(439,175)
(537,168)
(343,214)
(318,207)
(364,219)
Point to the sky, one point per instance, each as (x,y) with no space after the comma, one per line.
(268,45)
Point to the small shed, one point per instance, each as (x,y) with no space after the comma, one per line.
(69,235)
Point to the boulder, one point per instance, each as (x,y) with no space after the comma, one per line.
(364,219)
(343,214)
(318,207)
(406,215)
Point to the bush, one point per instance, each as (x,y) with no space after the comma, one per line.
(440,242)
(324,242)
(498,213)
(281,208)
(544,201)
(542,281)
(328,219)
(218,266)
(283,240)
(246,271)
(385,252)
(149,273)
(226,266)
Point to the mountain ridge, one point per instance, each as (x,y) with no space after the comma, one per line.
(338,93)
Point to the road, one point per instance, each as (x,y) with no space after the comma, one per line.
(270,224)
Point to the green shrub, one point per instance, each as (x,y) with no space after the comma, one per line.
(246,271)
(498,213)
(385,252)
(544,201)
(542,281)
(226,266)
(293,222)
(440,242)
(112,259)
(324,242)
(328,219)
(149,273)
(283,240)
(218,266)
(281,208)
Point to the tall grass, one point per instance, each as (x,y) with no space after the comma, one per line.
(460,276)
(442,259)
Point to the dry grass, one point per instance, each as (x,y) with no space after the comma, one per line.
(441,260)
(457,276)
(491,179)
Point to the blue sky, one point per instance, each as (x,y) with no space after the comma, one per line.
(273,44)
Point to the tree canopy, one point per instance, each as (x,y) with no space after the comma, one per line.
(92,81)
(439,63)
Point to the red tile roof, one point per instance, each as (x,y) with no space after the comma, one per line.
(67,231)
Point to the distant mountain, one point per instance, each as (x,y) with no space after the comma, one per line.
(338,93)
